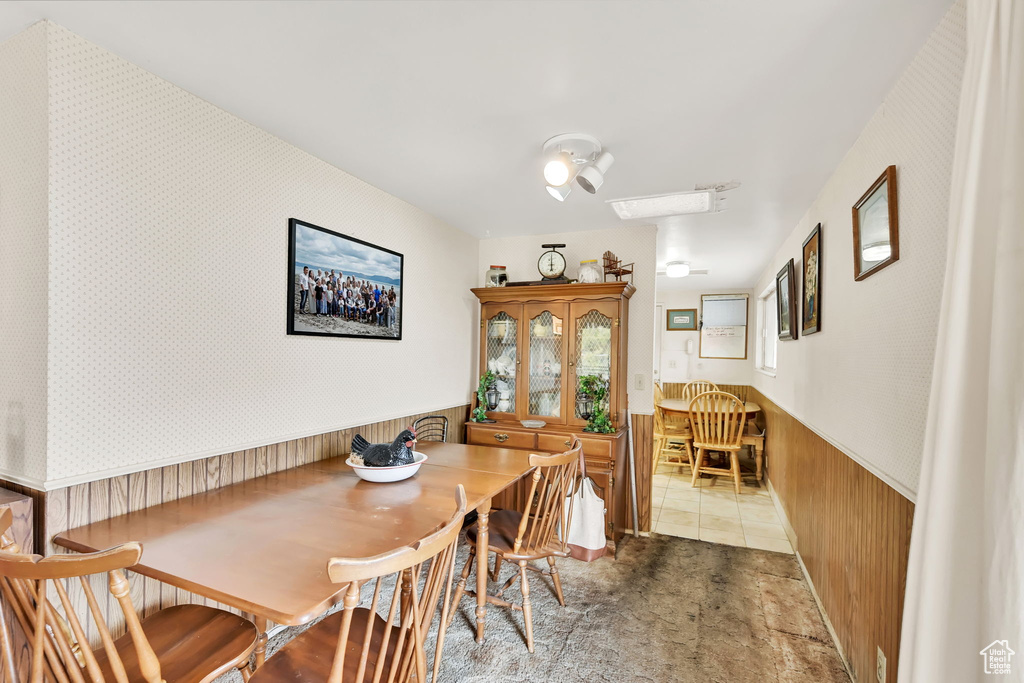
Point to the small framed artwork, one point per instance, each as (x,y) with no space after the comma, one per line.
(682,319)
(876,229)
(785,301)
(340,286)
(810,302)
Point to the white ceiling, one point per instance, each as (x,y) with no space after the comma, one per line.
(446,104)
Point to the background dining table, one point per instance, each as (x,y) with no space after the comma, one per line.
(754,437)
(262,545)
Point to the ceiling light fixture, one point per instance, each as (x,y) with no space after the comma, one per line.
(576,156)
(675,204)
(591,178)
(677,269)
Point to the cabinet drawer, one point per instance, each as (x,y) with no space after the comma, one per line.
(495,436)
(558,443)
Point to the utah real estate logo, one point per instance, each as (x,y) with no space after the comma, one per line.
(997,657)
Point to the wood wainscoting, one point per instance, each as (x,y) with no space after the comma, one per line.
(852,531)
(643,450)
(73,506)
(675,390)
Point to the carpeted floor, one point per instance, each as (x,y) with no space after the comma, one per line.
(667,610)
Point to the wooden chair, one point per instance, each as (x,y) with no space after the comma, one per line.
(717,420)
(670,445)
(431,428)
(185,643)
(697,386)
(529,535)
(359,644)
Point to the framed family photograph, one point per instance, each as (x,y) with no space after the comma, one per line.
(876,227)
(810,302)
(682,319)
(785,301)
(340,286)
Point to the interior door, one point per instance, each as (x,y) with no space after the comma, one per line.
(544,370)
(593,350)
(501,353)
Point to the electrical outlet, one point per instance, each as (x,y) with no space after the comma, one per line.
(880,666)
(672,364)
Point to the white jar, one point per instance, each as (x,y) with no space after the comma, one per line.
(590,271)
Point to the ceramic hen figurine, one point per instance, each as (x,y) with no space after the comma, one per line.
(398,452)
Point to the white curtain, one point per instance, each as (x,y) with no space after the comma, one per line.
(965,586)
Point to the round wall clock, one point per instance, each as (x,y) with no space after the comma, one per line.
(551,264)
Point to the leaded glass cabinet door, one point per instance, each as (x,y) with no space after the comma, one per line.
(544,370)
(593,350)
(501,354)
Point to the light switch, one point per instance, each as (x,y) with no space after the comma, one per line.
(639,382)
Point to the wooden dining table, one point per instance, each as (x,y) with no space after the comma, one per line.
(680,408)
(262,545)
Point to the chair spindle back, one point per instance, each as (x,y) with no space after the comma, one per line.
(392,649)
(60,649)
(717,420)
(431,428)
(553,479)
(697,386)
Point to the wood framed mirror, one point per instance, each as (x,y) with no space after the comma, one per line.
(876,230)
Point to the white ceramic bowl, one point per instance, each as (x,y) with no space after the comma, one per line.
(384,475)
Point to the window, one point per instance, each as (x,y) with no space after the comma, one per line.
(768,331)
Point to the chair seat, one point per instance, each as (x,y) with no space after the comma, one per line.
(193,643)
(310,655)
(502,527)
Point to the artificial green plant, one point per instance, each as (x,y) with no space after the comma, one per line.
(596,389)
(486,381)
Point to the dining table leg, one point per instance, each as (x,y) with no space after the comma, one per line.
(261,642)
(483,512)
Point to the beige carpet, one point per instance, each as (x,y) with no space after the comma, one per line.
(668,609)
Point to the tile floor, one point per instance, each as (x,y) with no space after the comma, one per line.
(713,512)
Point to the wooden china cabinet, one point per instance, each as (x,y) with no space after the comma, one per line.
(538,340)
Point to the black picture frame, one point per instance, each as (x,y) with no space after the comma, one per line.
(785,301)
(810,300)
(350,248)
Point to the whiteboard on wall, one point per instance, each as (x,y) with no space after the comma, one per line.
(723,332)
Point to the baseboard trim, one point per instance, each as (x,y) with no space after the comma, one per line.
(807,576)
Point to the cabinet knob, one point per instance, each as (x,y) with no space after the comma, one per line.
(502,438)
(570,364)
(567,443)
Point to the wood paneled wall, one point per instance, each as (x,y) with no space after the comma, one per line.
(675,390)
(643,448)
(98,500)
(852,531)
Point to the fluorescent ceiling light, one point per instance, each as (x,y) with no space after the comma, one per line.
(674,204)
(677,269)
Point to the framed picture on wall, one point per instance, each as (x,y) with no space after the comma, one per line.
(340,286)
(681,319)
(876,227)
(810,302)
(785,301)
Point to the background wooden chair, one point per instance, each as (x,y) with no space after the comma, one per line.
(185,643)
(697,386)
(529,535)
(359,644)
(671,446)
(431,428)
(717,420)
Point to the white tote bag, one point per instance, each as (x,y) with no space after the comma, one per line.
(586,527)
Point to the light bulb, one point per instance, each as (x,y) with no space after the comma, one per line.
(556,171)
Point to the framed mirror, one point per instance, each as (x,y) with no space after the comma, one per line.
(876,232)
(785,302)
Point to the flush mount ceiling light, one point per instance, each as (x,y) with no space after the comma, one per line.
(675,204)
(576,156)
(677,269)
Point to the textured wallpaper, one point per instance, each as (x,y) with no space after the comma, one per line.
(863,382)
(638,244)
(23,285)
(168,265)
